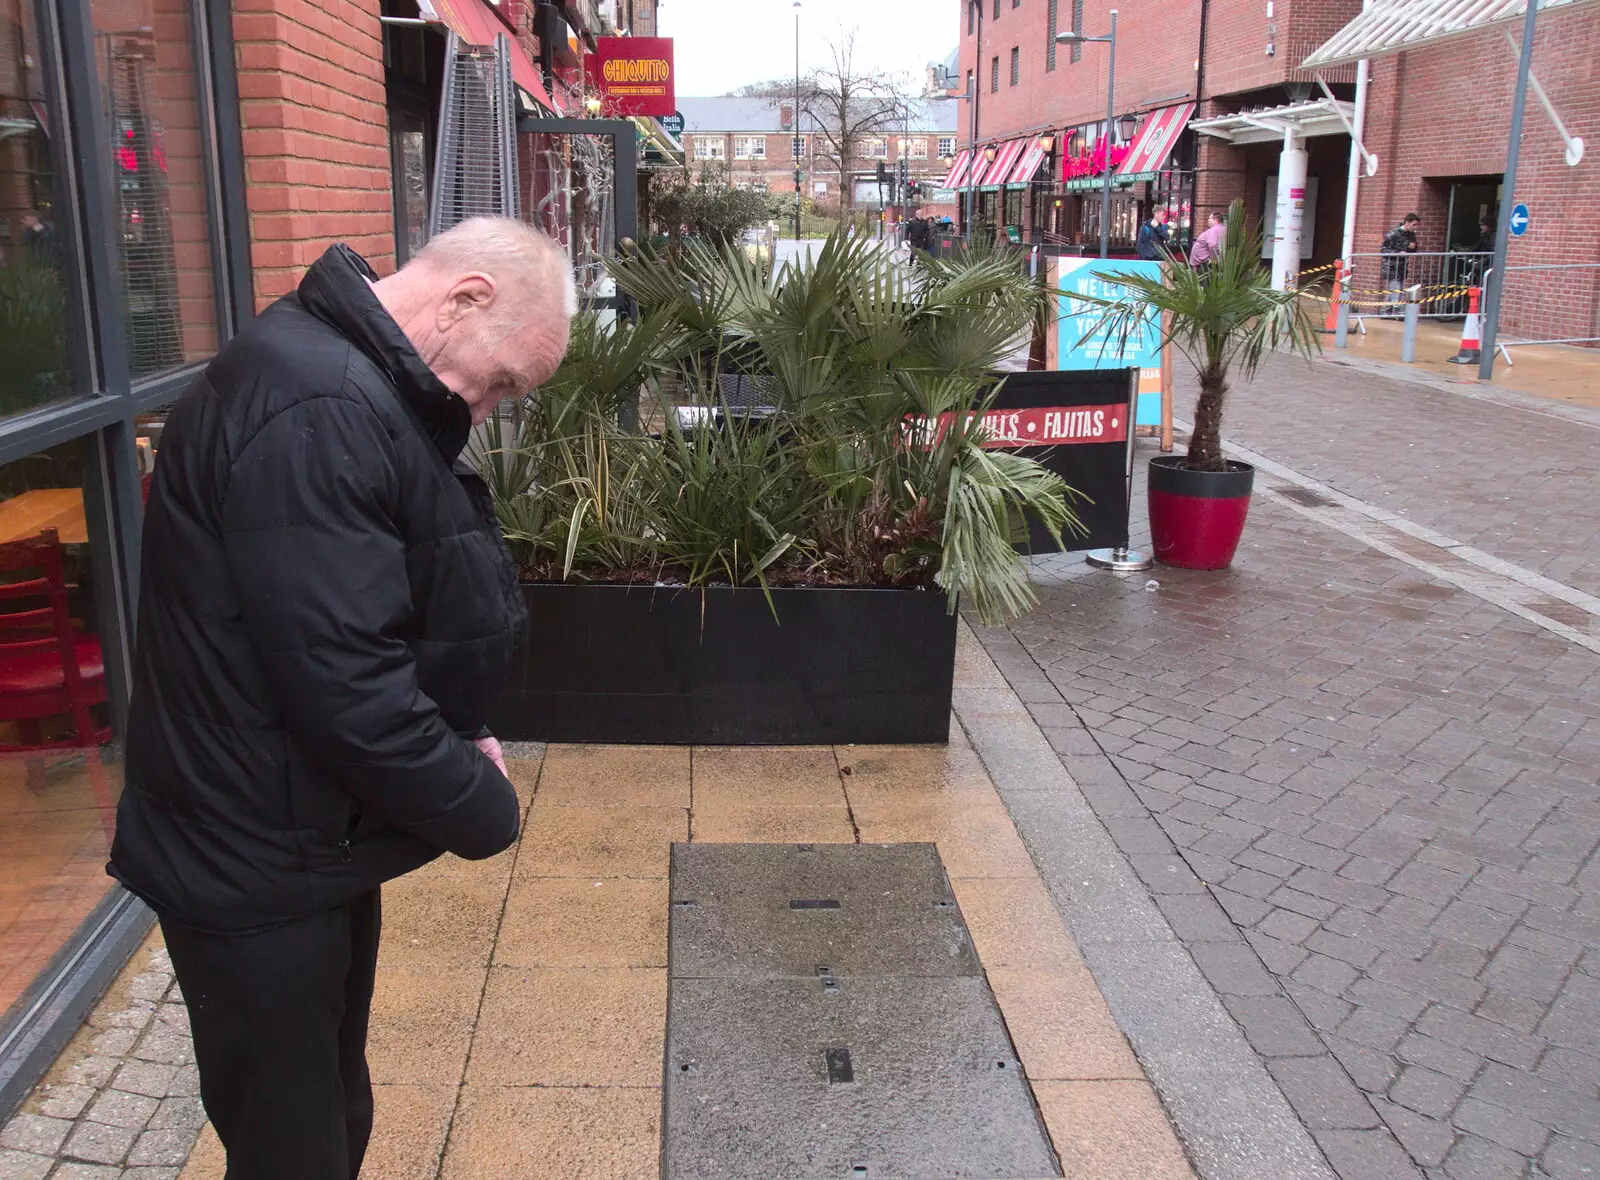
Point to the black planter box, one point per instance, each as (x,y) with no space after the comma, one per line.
(656,665)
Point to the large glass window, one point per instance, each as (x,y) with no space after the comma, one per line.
(145,56)
(58,786)
(33,332)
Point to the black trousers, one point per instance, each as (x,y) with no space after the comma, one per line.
(280,1036)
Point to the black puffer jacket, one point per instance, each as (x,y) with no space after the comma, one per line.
(327,613)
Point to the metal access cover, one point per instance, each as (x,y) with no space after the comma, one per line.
(828,1020)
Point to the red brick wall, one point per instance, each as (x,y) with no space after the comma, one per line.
(1157,44)
(1446,112)
(315,135)
(1238,33)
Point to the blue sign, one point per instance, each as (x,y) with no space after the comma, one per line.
(1102,349)
(1520,217)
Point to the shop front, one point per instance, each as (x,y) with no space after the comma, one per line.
(124,263)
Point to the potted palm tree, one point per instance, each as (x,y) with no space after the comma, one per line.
(1225,317)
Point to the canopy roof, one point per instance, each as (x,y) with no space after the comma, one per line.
(1321,117)
(1390,26)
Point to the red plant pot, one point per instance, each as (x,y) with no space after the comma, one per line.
(1197,517)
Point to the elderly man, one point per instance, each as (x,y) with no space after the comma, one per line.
(327,613)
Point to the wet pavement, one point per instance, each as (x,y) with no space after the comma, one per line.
(1359,786)
(520,1018)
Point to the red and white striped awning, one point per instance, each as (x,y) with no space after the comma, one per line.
(1155,143)
(957,176)
(478,24)
(1028,163)
(1005,159)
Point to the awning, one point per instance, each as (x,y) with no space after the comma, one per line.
(1028,163)
(1390,26)
(957,176)
(1005,159)
(1326,116)
(476,24)
(1154,144)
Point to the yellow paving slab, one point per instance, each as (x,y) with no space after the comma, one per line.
(616,776)
(422,1023)
(409,1125)
(571,1027)
(574,841)
(505,1133)
(776,776)
(583,922)
(1111,1131)
(774,825)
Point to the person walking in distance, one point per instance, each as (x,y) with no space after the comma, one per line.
(1397,243)
(1155,240)
(327,614)
(1210,242)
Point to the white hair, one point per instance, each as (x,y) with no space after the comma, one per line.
(524,262)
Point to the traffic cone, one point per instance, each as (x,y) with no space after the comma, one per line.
(1471,350)
(1331,323)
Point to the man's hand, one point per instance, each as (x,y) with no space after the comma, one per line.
(491,749)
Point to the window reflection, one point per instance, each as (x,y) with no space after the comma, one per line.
(146,66)
(33,351)
(58,786)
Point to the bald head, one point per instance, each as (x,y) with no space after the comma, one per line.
(487,304)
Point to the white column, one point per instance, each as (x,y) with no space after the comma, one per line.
(1291,214)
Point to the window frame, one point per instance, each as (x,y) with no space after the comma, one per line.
(947,145)
(97,409)
(750,141)
(1016,64)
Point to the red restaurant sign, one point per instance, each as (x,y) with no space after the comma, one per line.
(633,75)
(1043,426)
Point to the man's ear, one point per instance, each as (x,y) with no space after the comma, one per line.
(469,293)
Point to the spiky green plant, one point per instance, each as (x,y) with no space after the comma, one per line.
(831,488)
(1225,317)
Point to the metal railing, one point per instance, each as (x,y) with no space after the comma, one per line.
(1592,316)
(1375,284)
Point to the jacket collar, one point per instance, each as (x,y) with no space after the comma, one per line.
(338,290)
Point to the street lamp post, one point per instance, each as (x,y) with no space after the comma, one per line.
(1077,38)
(976,87)
(795,141)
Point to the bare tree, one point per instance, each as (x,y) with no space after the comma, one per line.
(846,107)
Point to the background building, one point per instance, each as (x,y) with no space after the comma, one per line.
(1204,91)
(754,137)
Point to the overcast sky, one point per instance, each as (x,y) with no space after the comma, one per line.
(724,44)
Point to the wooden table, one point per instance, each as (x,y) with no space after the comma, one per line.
(34,511)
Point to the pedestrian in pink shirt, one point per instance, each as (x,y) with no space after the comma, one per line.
(1209,244)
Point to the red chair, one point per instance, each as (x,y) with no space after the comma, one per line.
(48,668)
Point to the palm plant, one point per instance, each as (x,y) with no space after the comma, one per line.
(831,488)
(1225,317)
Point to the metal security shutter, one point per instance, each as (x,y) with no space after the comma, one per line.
(475,165)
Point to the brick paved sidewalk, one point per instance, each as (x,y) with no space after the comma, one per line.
(1518,483)
(1366,800)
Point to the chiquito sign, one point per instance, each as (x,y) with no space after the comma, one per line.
(633,75)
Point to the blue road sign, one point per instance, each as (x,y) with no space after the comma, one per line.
(1520,217)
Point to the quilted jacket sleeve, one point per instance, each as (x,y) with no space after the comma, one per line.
(321,573)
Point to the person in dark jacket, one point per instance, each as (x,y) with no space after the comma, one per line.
(1397,243)
(327,614)
(1155,240)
